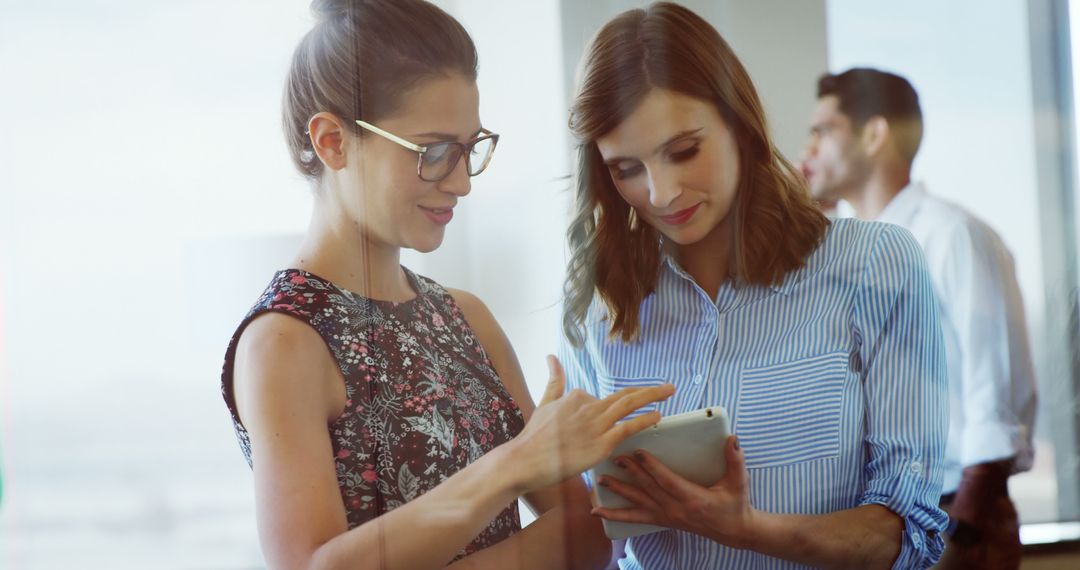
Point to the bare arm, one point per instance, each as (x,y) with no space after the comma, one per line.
(288,388)
(863,537)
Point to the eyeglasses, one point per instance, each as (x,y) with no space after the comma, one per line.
(437,160)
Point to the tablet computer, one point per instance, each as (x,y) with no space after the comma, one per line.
(690,444)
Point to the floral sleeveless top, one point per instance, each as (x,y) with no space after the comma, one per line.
(423,399)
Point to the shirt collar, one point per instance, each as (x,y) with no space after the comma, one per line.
(669,260)
(901,209)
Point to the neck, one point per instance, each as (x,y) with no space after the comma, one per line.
(883,184)
(338,249)
(708,260)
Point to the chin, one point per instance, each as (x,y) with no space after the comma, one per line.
(427,247)
(426,244)
(685,236)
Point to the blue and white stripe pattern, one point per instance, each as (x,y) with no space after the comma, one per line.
(834,380)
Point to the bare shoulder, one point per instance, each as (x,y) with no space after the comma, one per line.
(475,311)
(283,366)
(483,323)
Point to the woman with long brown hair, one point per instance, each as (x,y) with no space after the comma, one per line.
(699,259)
(385,417)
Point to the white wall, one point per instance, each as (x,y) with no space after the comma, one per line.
(141,158)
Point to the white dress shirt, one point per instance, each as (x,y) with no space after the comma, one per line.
(991,377)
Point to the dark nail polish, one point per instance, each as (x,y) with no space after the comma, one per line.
(639,456)
(620,463)
(737,444)
(603,483)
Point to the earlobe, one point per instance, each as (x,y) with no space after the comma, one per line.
(327,134)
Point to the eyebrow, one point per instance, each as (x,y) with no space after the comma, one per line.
(674,138)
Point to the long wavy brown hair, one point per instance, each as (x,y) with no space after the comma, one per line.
(612,253)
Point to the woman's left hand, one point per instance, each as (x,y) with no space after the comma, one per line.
(660,497)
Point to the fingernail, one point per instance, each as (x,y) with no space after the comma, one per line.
(737,443)
(551,365)
(603,483)
(639,456)
(594,513)
(621,463)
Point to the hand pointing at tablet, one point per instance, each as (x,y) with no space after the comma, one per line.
(568,433)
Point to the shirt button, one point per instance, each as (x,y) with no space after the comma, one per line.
(697,378)
(915,539)
(916,468)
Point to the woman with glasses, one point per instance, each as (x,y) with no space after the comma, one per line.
(699,259)
(384,416)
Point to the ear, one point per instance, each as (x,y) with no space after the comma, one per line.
(328,136)
(875,135)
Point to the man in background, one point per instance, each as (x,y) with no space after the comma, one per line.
(864,135)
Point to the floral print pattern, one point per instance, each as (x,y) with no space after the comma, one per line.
(423,399)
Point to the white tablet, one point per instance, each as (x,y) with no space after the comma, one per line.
(690,444)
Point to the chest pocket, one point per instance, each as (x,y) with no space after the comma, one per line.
(790,412)
(610,384)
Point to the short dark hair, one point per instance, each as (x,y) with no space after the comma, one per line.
(864,93)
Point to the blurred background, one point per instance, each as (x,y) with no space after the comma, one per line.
(146,198)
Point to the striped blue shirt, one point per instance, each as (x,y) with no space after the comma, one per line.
(834,380)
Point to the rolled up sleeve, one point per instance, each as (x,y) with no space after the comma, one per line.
(906,399)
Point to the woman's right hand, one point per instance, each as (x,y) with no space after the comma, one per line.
(569,433)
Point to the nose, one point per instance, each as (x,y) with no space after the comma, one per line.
(663,189)
(458,181)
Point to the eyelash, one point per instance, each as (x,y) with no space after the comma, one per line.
(623,174)
(685,155)
(676,157)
